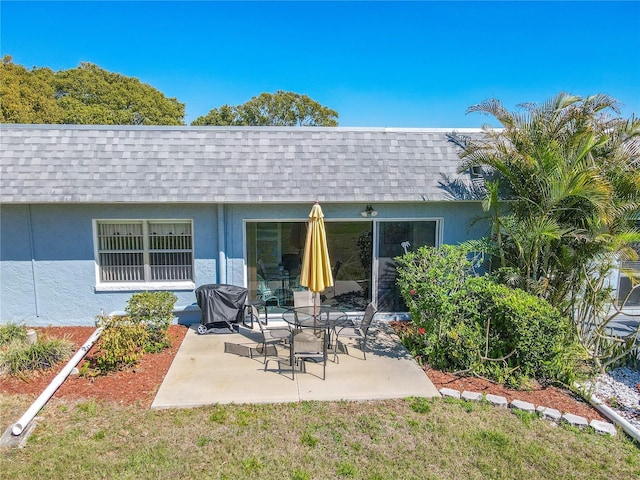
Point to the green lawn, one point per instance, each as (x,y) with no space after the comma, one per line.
(396,439)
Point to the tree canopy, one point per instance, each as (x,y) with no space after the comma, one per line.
(87,94)
(278,109)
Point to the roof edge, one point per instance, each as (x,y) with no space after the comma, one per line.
(43,126)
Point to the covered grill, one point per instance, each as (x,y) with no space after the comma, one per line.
(222,306)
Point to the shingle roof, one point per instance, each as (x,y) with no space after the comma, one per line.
(91,164)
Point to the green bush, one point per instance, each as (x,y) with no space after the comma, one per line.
(429,277)
(522,335)
(155,311)
(121,343)
(463,322)
(144,329)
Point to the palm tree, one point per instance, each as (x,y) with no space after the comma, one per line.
(569,179)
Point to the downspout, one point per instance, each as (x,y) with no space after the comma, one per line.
(222,259)
(32,248)
(48,392)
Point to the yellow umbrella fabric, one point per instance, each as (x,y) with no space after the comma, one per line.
(316,266)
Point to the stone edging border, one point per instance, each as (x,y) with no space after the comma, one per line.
(545,412)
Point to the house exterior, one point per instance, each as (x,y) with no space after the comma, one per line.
(91,214)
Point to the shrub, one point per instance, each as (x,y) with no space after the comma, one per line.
(143,330)
(155,311)
(429,277)
(467,323)
(120,345)
(521,334)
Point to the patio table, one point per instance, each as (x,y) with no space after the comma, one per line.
(318,317)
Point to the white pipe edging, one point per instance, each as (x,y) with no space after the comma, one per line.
(48,392)
(629,429)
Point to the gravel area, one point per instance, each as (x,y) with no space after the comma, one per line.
(620,390)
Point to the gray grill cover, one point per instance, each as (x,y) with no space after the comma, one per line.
(221,303)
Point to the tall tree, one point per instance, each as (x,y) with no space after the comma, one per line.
(278,109)
(87,94)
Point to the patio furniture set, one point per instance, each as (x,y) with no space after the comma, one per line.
(312,332)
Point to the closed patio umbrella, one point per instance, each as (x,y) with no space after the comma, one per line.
(316,267)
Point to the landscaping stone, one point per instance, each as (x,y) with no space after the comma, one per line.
(450,392)
(497,400)
(471,396)
(575,420)
(521,405)
(604,427)
(549,413)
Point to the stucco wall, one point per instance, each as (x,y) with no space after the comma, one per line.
(53,246)
(62,263)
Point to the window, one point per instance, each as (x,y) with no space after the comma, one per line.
(144,251)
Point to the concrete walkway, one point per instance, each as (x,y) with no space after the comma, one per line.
(217,368)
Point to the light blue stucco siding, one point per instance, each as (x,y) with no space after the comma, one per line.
(457,219)
(48,270)
(47,265)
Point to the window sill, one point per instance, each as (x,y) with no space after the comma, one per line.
(128,287)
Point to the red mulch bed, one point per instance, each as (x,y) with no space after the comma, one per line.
(140,384)
(561,399)
(137,385)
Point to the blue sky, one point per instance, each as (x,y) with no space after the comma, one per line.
(380,64)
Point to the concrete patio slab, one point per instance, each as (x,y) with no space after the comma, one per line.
(217,368)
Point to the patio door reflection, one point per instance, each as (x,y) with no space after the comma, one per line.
(275,251)
(393,238)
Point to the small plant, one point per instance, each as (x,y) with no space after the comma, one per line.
(346,469)
(614,402)
(90,408)
(125,339)
(19,358)
(420,405)
(309,440)
(203,441)
(300,475)
(120,345)
(525,417)
(10,332)
(155,311)
(251,465)
(219,415)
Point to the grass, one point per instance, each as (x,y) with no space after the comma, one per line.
(394,439)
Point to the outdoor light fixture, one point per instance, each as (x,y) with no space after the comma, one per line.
(368,211)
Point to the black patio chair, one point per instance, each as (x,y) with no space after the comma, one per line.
(270,336)
(359,331)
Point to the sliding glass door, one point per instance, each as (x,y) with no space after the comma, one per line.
(362,256)
(274,259)
(393,239)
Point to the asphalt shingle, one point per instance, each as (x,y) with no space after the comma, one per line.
(94,164)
